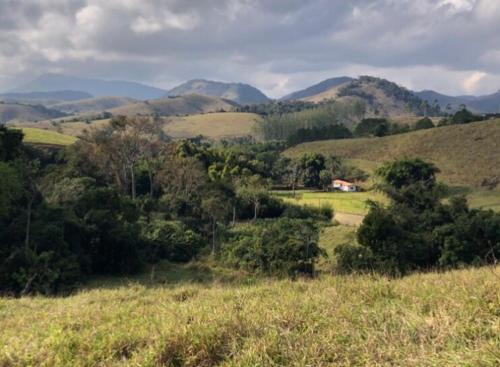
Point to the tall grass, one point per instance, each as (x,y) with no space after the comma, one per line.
(449,319)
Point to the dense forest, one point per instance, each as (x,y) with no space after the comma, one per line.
(125,197)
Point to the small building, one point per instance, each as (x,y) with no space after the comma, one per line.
(344,186)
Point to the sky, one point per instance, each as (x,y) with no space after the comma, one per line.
(279,46)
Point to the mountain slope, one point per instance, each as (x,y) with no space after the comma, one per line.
(95,87)
(44,98)
(430,96)
(317,88)
(237,92)
(488,103)
(466,154)
(381,96)
(10,112)
(182,105)
(99,104)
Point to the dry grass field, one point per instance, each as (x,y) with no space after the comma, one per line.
(434,319)
(212,125)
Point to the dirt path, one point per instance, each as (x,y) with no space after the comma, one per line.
(349,219)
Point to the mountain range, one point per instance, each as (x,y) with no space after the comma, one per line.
(74,95)
(94,87)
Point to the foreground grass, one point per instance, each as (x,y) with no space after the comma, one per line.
(39,136)
(450,319)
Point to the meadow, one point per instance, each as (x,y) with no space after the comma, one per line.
(211,125)
(198,318)
(344,202)
(39,136)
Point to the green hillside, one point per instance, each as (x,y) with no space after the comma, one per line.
(39,136)
(467,155)
(196,316)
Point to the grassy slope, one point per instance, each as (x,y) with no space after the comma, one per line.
(445,319)
(465,154)
(213,125)
(39,136)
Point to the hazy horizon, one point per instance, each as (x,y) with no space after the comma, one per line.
(450,46)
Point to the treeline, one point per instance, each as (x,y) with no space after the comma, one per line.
(282,126)
(418,230)
(125,196)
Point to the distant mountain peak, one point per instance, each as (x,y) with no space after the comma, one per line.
(238,92)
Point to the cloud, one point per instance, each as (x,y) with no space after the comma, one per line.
(279,46)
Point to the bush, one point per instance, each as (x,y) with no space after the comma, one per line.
(171,240)
(353,258)
(282,247)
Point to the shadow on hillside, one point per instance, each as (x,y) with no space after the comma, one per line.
(167,274)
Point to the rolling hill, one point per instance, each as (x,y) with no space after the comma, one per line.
(316,89)
(467,155)
(98,104)
(182,105)
(17,112)
(212,125)
(381,96)
(95,87)
(237,92)
(45,98)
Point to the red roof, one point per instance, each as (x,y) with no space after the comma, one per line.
(342,182)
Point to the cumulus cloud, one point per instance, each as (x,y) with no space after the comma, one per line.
(447,45)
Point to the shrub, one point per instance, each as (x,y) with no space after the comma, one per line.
(171,240)
(281,246)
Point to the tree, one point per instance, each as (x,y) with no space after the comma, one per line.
(292,174)
(253,189)
(119,148)
(10,188)
(325,179)
(425,123)
(10,143)
(372,127)
(464,116)
(311,165)
(217,208)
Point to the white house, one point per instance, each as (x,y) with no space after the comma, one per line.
(344,186)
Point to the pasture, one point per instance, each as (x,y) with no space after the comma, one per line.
(202,318)
(40,136)
(211,125)
(341,202)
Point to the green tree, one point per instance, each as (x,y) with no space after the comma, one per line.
(424,123)
(311,165)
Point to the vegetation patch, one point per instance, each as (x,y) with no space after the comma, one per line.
(39,136)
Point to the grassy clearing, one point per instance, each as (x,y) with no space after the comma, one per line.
(39,136)
(212,125)
(447,319)
(342,202)
(467,155)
